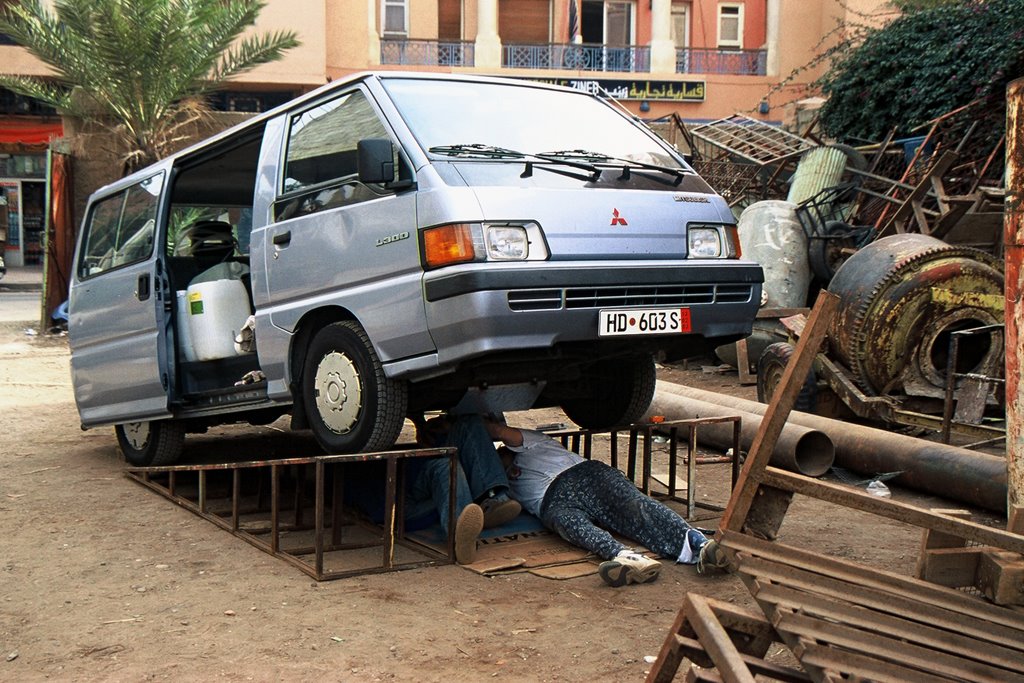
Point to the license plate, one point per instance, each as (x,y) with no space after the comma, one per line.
(643,321)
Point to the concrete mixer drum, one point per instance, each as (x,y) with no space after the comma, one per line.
(901,298)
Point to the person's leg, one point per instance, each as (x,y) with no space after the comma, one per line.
(477,456)
(618,505)
(488,483)
(575,526)
(430,489)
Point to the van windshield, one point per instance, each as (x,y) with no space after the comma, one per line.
(518,119)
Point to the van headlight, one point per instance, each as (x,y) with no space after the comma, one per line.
(712,242)
(445,245)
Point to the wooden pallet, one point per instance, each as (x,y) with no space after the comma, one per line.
(840,620)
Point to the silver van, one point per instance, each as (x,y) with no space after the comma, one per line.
(394,243)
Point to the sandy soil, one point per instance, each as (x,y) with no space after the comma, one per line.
(104,580)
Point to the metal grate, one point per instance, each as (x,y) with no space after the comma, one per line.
(641,295)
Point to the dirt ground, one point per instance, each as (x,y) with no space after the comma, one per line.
(104,580)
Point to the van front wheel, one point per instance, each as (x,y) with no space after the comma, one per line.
(615,393)
(151,444)
(351,404)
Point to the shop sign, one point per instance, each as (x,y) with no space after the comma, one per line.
(630,89)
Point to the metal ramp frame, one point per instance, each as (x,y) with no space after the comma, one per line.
(294,509)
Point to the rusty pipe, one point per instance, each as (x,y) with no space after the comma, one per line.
(799,449)
(935,468)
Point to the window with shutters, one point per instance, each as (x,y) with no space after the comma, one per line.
(395,17)
(730,25)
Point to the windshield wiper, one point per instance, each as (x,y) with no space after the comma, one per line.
(476,149)
(628,165)
(479,150)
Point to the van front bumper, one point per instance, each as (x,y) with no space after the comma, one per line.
(488,309)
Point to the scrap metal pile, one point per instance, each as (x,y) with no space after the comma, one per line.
(907,232)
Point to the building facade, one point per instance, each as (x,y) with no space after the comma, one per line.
(697,59)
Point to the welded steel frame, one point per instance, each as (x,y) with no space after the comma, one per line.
(327,522)
(644,432)
(952,376)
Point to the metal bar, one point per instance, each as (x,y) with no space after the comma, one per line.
(614,450)
(389,515)
(202,491)
(337,502)
(673,465)
(645,465)
(691,471)
(275,490)
(453,475)
(737,428)
(236,494)
(318,516)
(947,404)
(631,457)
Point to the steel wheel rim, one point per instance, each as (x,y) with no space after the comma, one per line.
(339,392)
(136,434)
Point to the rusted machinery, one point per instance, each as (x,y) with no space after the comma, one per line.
(903,300)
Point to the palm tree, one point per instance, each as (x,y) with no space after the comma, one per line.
(140,68)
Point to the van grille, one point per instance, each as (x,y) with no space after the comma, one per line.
(638,296)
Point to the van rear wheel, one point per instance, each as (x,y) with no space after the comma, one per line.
(617,392)
(151,444)
(351,404)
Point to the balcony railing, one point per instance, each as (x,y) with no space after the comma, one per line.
(691,60)
(426,52)
(577,57)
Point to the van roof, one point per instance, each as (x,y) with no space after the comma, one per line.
(260,119)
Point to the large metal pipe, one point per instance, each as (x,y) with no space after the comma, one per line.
(799,449)
(935,468)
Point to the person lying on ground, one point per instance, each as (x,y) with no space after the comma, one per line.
(481,487)
(582,500)
(482,498)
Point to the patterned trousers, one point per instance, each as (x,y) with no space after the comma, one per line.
(590,499)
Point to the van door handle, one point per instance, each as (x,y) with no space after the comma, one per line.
(142,288)
(282,239)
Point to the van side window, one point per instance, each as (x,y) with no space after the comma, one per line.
(322,152)
(121,228)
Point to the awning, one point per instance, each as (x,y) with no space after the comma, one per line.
(29,131)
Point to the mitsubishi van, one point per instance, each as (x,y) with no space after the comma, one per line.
(394,243)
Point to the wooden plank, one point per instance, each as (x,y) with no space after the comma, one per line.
(1001,577)
(892,651)
(778,411)
(891,509)
(1015,519)
(931,539)
(862,668)
(693,648)
(884,602)
(879,589)
(952,567)
(716,641)
(885,625)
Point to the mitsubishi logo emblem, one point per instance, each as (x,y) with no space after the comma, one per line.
(617,219)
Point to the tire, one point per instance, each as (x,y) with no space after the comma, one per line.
(151,444)
(770,367)
(351,405)
(825,254)
(617,393)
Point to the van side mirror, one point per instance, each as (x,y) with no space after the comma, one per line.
(376,160)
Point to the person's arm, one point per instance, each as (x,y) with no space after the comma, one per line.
(499,431)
